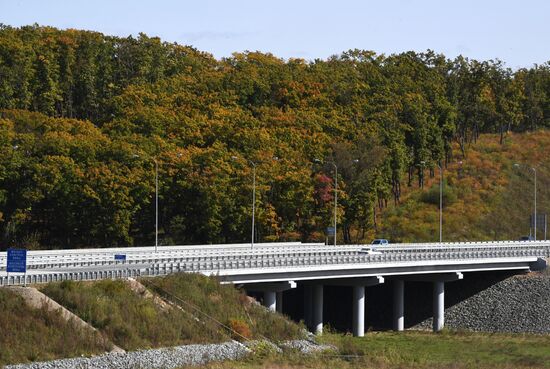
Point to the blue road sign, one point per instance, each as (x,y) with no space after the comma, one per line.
(120,257)
(330,231)
(17,261)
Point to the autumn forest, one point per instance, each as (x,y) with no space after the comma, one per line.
(85,117)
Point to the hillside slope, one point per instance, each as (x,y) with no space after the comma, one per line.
(486,196)
(197,310)
(29,334)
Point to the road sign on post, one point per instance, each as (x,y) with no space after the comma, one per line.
(120,257)
(17,261)
(330,231)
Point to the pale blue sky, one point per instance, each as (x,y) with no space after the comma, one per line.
(517,32)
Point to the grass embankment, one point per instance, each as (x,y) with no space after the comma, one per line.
(486,197)
(133,322)
(415,350)
(227,305)
(28,334)
(127,319)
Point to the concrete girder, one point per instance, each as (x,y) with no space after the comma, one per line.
(443,277)
(325,274)
(365,281)
(270,286)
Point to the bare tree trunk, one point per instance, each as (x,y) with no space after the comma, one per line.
(374,221)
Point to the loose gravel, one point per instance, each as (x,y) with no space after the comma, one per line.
(175,357)
(164,358)
(519,304)
(305,346)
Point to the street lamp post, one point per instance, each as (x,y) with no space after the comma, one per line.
(440,203)
(535,198)
(156,204)
(253,201)
(335,194)
(154,159)
(440,200)
(253,164)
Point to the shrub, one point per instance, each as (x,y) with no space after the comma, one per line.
(432,195)
(240,330)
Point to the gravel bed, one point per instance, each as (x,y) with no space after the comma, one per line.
(174,357)
(519,304)
(305,346)
(164,358)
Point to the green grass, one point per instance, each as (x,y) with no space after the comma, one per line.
(469,350)
(415,350)
(225,304)
(28,334)
(127,319)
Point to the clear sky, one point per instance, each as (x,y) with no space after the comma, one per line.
(517,32)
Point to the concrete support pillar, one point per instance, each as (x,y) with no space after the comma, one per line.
(439,306)
(308,304)
(358,311)
(279,302)
(270,300)
(317,309)
(398,305)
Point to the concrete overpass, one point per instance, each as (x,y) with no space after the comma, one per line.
(273,268)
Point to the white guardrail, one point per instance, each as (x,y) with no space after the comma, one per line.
(90,264)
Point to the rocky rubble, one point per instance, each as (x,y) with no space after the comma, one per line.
(305,346)
(519,304)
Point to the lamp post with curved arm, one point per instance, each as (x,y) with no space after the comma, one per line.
(422,163)
(253,165)
(440,203)
(154,159)
(335,193)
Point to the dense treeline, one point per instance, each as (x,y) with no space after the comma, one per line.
(84,116)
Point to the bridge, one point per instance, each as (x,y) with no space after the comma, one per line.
(273,268)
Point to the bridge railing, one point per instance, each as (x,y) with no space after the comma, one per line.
(288,247)
(148,263)
(413,252)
